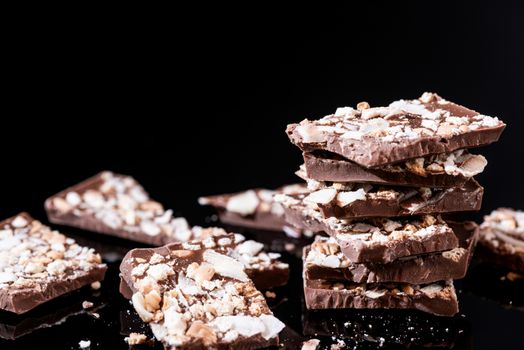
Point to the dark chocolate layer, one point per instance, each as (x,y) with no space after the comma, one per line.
(322,166)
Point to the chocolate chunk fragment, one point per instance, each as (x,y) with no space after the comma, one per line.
(437,298)
(252,208)
(38,264)
(324,260)
(406,129)
(378,240)
(117,205)
(350,201)
(195,297)
(502,239)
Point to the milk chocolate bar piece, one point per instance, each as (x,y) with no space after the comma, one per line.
(264,269)
(502,239)
(350,201)
(195,297)
(117,205)
(253,208)
(38,264)
(378,240)
(438,171)
(404,130)
(324,260)
(436,298)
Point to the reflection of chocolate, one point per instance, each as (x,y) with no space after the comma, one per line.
(325,166)
(53,313)
(380,328)
(428,125)
(425,268)
(55,265)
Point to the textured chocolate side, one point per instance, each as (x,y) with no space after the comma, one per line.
(467,198)
(370,153)
(322,167)
(443,302)
(20,300)
(425,268)
(381,252)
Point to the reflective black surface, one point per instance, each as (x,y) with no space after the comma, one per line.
(492,312)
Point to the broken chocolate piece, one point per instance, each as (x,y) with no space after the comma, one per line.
(437,298)
(197,297)
(377,240)
(350,201)
(264,269)
(502,239)
(406,129)
(324,260)
(439,171)
(252,208)
(117,205)
(38,264)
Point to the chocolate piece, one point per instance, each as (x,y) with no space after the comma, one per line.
(437,298)
(324,260)
(502,239)
(350,201)
(252,208)
(264,269)
(443,170)
(404,130)
(197,297)
(117,205)
(377,240)
(38,264)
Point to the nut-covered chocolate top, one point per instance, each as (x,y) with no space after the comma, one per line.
(194,293)
(392,133)
(504,230)
(121,203)
(33,257)
(249,202)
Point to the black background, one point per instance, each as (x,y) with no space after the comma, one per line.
(196,101)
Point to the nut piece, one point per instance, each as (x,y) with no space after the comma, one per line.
(362,105)
(408,289)
(96,285)
(310,344)
(204,273)
(245,203)
(199,330)
(323,196)
(87,304)
(136,339)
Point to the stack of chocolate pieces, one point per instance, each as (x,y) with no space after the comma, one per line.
(379,180)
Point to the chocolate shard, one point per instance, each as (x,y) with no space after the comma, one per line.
(55,265)
(264,269)
(404,130)
(502,239)
(351,201)
(117,205)
(436,298)
(199,298)
(324,260)
(439,171)
(253,208)
(377,240)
